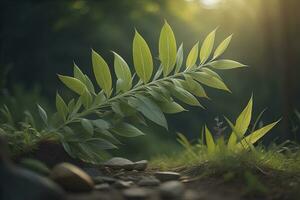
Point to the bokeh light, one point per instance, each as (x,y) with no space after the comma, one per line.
(210,3)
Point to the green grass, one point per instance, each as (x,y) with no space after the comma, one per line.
(272,171)
(274,157)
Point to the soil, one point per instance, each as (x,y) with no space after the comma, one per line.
(208,188)
(203,188)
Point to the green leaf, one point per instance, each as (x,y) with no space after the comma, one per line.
(137,118)
(102,73)
(207,47)
(192,57)
(78,74)
(142,58)
(92,152)
(122,72)
(83,78)
(167,49)
(86,99)
(158,73)
(210,80)
(127,130)
(211,146)
(76,107)
(184,141)
(226,64)
(88,126)
(68,149)
(255,136)
(89,84)
(100,98)
(105,134)
(123,109)
(43,114)
(185,96)
(61,106)
(222,47)
(179,58)
(257,120)
(171,107)
(98,143)
(242,123)
(101,124)
(149,109)
(74,84)
(194,87)
(211,72)
(187,145)
(119,85)
(158,96)
(71,104)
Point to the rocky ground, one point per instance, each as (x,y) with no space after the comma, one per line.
(122,179)
(118,179)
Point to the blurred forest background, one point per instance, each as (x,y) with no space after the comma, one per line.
(39,39)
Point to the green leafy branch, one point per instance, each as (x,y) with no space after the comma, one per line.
(88,124)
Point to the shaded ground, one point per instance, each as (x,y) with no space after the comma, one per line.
(215,187)
(201,181)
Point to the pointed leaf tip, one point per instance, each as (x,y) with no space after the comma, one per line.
(207,47)
(192,56)
(167,49)
(222,47)
(142,58)
(102,73)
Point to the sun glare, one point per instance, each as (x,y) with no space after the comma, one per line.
(207,3)
(210,3)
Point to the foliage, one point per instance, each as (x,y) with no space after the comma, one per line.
(237,141)
(261,172)
(88,124)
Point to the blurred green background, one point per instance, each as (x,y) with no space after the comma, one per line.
(40,39)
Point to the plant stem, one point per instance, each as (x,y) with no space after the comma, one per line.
(92,109)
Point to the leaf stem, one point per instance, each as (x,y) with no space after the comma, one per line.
(92,109)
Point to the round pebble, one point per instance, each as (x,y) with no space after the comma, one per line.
(119,163)
(141,165)
(148,182)
(71,178)
(167,176)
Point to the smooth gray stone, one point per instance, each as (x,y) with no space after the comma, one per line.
(119,163)
(171,190)
(123,184)
(167,176)
(102,187)
(23,184)
(148,182)
(104,179)
(72,178)
(130,178)
(141,165)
